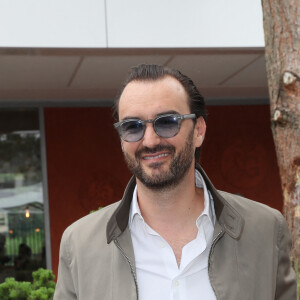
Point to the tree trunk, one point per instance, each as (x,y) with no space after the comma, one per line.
(282,53)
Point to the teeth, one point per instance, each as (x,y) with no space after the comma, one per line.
(157,156)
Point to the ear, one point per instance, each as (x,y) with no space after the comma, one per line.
(199,132)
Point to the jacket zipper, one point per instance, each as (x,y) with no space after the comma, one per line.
(220,234)
(130,265)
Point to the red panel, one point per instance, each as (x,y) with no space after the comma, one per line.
(239,154)
(86,168)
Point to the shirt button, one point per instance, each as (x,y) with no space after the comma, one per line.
(176,283)
(162,245)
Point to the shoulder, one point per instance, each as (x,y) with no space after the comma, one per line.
(255,213)
(91,225)
(246,206)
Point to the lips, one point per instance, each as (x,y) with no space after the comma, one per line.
(156,153)
(156,156)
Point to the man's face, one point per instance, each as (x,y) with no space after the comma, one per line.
(159,163)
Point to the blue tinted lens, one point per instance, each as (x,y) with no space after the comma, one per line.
(166,126)
(132,131)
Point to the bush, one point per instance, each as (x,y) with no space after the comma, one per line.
(95,210)
(42,287)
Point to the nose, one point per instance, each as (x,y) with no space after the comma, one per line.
(150,138)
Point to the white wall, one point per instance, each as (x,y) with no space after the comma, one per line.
(131,23)
(52,23)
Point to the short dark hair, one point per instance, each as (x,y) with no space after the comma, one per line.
(145,72)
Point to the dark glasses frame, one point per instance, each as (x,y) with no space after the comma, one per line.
(178,117)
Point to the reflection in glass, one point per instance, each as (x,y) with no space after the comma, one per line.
(22,238)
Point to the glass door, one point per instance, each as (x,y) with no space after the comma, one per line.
(22,233)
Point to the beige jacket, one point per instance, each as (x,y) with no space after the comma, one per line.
(249,257)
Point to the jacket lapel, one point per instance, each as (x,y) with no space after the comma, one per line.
(230,220)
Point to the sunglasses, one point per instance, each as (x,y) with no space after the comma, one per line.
(165,126)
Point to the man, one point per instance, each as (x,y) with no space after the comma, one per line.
(173,235)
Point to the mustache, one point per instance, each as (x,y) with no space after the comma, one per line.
(158,148)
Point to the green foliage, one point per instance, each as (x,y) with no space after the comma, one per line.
(95,210)
(42,293)
(43,278)
(42,287)
(12,289)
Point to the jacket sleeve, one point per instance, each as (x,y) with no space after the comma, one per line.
(65,288)
(286,284)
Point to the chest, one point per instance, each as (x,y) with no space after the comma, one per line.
(177,244)
(176,266)
(178,239)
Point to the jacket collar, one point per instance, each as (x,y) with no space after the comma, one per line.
(227,216)
(229,219)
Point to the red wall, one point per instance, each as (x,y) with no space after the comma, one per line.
(86,168)
(239,154)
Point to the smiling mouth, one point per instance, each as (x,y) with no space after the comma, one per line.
(156,156)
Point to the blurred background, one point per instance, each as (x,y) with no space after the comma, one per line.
(61,66)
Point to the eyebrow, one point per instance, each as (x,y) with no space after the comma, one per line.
(169,112)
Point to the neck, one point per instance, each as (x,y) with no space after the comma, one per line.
(176,207)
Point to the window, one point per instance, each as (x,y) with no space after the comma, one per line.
(22,233)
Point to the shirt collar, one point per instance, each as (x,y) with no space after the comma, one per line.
(208,200)
(134,209)
(208,203)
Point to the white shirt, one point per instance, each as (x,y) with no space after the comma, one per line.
(158,275)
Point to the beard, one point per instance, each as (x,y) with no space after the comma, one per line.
(167,179)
